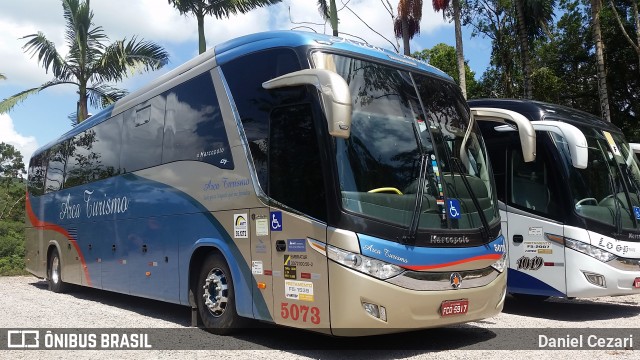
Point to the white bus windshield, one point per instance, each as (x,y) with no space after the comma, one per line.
(608,190)
(403,121)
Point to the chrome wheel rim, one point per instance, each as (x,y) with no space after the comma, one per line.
(216,292)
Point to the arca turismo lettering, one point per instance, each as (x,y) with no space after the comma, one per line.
(94,206)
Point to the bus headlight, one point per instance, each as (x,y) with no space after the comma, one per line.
(376,268)
(501,264)
(587,249)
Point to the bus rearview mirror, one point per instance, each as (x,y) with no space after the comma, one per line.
(525,130)
(334,94)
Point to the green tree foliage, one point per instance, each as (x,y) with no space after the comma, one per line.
(444,57)
(329,12)
(12,191)
(90,64)
(217,8)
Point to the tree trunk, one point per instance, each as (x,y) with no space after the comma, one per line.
(459,50)
(333,14)
(405,37)
(596,6)
(524,49)
(82,112)
(202,43)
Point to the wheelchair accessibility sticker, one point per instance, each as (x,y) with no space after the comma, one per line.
(636,212)
(276,221)
(453,207)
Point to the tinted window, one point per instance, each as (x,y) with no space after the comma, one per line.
(194,129)
(245,77)
(94,154)
(295,168)
(56,167)
(142,135)
(37,169)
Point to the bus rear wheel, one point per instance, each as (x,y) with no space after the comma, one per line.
(216,298)
(54,273)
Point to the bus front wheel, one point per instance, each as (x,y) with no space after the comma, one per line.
(54,274)
(215,296)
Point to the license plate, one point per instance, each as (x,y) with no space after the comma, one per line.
(636,283)
(454,307)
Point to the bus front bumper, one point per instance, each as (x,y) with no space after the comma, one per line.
(581,268)
(405,309)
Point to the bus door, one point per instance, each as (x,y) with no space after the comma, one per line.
(533,211)
(297,218)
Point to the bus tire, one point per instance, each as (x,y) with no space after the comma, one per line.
(54,273)
(216,297)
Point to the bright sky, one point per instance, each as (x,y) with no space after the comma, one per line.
(42,117)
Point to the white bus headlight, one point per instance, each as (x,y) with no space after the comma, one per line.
(501,264)
(376,268)
(587,249)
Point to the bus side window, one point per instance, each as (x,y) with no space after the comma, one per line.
(37,169)
(56,167)
(245,77)
(93,154)
(533,187)
(194,129)
(295,168)
(142,133)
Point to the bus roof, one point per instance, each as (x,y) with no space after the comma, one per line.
(232,49)
(538,110)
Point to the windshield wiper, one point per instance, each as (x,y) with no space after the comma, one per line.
(410,236)
(474,199)
(617,217)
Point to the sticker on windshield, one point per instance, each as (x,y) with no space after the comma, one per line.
(612,144)
(636,212)
(453,206)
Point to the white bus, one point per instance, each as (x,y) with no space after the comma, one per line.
(294,178)
(569,191)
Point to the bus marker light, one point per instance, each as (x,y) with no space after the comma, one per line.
(148,273)
(636,283)
(372,309)
(262,285)
(595,279)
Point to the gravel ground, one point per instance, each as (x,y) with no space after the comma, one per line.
(26,303)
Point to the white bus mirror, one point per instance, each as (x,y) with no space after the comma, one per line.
(578,148)
(635,147)
(334,92)
(525,130)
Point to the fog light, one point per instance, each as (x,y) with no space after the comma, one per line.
(595,279)
(383,313)
(371,309)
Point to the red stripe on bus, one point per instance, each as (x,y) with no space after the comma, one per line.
(53,227)
(437,266)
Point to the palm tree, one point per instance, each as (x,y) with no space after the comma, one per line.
(532,18)
(329,11)
(596,7)
(407,23)
(443,5)
(90,64)
(217,8)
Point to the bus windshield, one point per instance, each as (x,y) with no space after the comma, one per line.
(409,131)
(608,190)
